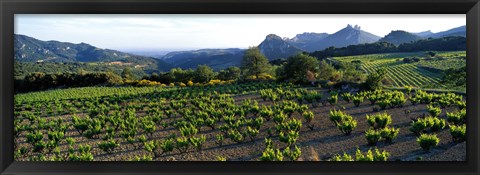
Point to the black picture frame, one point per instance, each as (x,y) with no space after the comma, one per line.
(10,7)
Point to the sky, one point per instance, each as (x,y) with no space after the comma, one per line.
(187,31)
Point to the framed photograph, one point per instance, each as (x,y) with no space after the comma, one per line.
(246,87)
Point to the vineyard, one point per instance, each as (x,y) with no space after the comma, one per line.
(426,73)
(253,121)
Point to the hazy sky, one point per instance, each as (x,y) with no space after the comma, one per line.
(178,32)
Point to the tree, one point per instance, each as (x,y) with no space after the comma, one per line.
(254,63)
(430,53)
(127,74)
(374,79)
(351,73)
(298,67)
(203,74)
(231,73)
(326,71)
(180,75)
(113,79)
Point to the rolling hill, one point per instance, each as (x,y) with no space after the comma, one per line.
(216,58)
(28,49)
(398,37)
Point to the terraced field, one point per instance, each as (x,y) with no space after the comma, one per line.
(427,73)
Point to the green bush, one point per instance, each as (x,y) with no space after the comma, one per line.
(336,116)
(383,104)
(289,138)
(152,146)
(370,155)
(428,141)
(292,154)
(389,134)
(357,100)
(345,123)
(372,136)
(197,142)
(271,154)
(380,120)
(235,135)
(308,116)
(434,111)
(108,146)
(252,133)
(347,97)
(344,157)
(333,99)
(219,139)
(457,118)
(429,123)
(459,133)
(279,117)
(347,126)
(183,144)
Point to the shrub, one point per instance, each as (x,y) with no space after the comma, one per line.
(347,126)
(347,97)
(188,130)
(389,134)
(458,133)
(39,146)
(333,99)
(108,146)
(271,154)
(221,158)
(372,156)
(34,137)
(372,98)
(266,112)
(461,105)
(434,111)
(219,139)
(291,125)
(292,154)
(344,122)
(289,138)
(235,135)
(183,144)
(336,116)
(384,103)
(357,100)
(427,124)
(398,99)
(151,146)
(378,121)
(143,158)
(414,100)
(197,142)
(83,155)
(308,115)
(344,157)
(279,117)
(408,89)
(457,118)
(252,133)
(372,136)
(428,141)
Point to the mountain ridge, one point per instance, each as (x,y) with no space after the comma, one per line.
(29,49)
